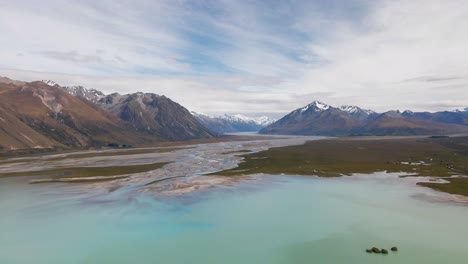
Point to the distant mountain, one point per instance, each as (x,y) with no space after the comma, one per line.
(395,123)
(155,115)
(459,117)
(233,123)
(464,111)
(319,118)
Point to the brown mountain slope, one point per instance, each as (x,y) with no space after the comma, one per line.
(15,134)
(155,115)
(38,115)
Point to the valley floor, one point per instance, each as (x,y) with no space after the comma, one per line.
(168,169)
(183,167)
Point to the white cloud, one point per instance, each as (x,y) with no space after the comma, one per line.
(402,40)
(41,29)
(235,56)
(192,92)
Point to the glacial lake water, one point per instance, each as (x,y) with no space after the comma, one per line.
(282,219)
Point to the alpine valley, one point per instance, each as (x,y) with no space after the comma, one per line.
(233,123)
(42,115)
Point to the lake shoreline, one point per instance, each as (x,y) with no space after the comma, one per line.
(161,170)
(432,158)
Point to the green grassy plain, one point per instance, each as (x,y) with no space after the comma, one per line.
(95,154)
(76,172)
(456,186)
(440,157)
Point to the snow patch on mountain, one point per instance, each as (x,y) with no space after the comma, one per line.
(49,82)
(262,120)
(354,109)
(201,114)
(458,110)
(233,123)
(316,105)
(92,95)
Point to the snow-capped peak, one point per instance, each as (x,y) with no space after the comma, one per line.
(458,110)
(200,114)
(316,105)
(49,82)
(238,118)
(78,90)
(349,108)
(92,95)
(354,109)
(263,120)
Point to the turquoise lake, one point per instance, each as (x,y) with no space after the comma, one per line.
(282,219)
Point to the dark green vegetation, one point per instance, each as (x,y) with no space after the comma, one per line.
(377,250)
(441,157)
(64,173)
(380,251)
(95,154)
(456,186)
(118,153)
(78,180)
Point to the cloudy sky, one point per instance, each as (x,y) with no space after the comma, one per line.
(235,56)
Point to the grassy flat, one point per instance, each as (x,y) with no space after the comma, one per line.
(88,171)
(456,186)
(78,180)
(335,157)
(116,153)
(96,154)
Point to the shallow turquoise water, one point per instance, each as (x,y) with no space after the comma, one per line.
(286,220)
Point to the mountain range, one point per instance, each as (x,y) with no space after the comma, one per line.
(155,115)
(318,118)
(91,95)
(233,123)
(44,115)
